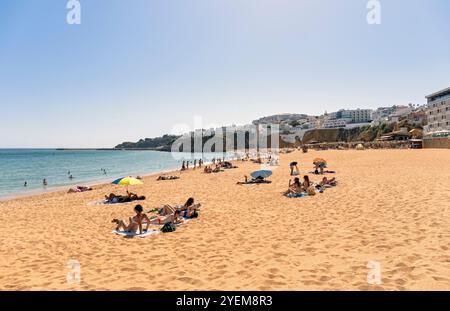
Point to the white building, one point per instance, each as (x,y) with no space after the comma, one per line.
(438,112)
(357,115)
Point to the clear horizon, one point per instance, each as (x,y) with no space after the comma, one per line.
(137,70)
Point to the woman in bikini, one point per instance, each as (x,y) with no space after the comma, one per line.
(295,187)
(135,222)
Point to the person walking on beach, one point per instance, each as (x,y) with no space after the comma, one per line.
(183,167)
(187,165)
(195,163)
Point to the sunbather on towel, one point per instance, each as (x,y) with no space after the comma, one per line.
(295,187)
(135,222)
(188,208)
(79,189)
(328,182)
(163,177)
(257,180)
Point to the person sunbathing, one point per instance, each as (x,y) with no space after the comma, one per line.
(257,180)
(228,165)
(295,187)
(328,182)
(79,189)
(189,206)
(113,198)
(136,222)
(217,169)
(164,177)
(169,213)
(306,183)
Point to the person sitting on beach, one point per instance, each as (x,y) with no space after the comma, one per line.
(207,169)
(164,177)
(295,187)
(306,183)
(294,169)
(257,180)
(135,222)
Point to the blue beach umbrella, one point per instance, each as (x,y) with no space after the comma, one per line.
(261,174)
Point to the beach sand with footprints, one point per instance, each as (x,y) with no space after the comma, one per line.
(390,206)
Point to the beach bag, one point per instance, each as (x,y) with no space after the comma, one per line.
(311,190)
(169,227)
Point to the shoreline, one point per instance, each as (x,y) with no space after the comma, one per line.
(57,189)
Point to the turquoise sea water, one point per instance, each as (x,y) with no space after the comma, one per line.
(33,165)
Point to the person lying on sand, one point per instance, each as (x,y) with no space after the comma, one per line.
(79,189)
(164,177)
(328,182)
(228,165)
(135,222)
(257,180)
(113,198)
(188,206)
(169,213)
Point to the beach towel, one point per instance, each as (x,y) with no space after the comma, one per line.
(135,234)
(104,202)
(296,195)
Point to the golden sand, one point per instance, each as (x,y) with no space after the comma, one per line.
(391,206)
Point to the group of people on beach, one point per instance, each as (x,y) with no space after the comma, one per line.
(300,188)
(167,214)
(185,164)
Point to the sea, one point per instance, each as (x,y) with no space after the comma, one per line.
(87,167)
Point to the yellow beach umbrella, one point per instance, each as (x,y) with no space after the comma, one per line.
(129,181)
(319,160)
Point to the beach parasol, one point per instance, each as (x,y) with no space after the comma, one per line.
(261,174)
(128,181)
(319,160)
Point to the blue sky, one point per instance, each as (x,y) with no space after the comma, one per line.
(137,68)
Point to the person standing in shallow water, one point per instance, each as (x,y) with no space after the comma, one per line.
(44,182)
(25,184)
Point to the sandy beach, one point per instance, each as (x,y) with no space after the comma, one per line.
(390,206)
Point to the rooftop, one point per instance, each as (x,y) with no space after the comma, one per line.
(438,94)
